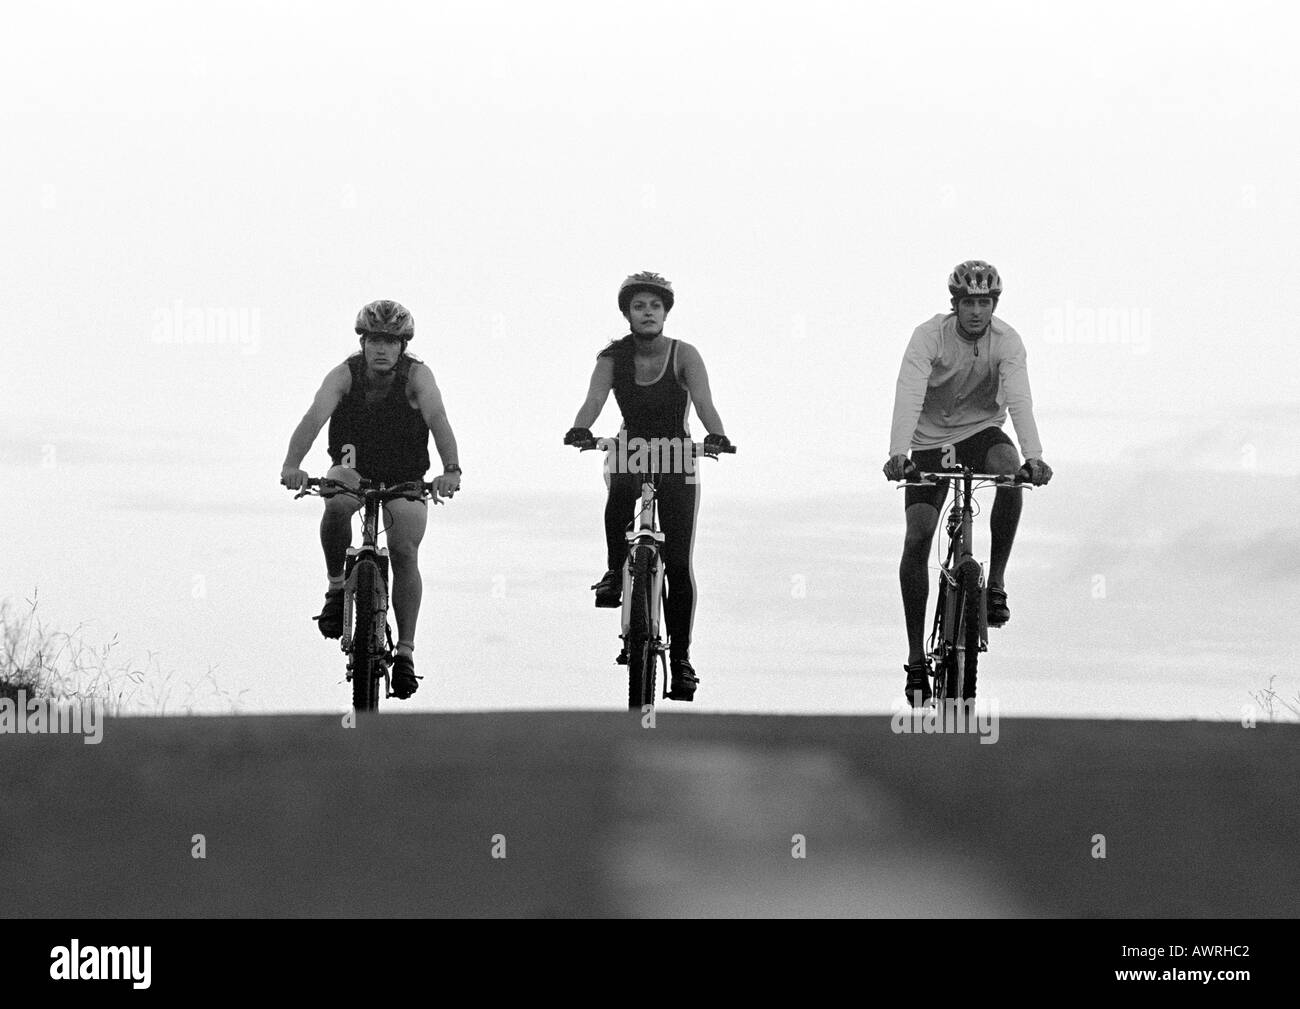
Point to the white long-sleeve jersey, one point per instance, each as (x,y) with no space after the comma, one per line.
(949,387)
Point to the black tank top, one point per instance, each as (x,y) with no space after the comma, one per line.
(389,437)
(657,410)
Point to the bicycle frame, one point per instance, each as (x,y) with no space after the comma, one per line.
(960,537)
(368,563)
(951,646)
(644,532)
(644,536)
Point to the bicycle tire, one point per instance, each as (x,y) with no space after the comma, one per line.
(970,628)
(938,638)
(953,660)
(365,663)
(640,642)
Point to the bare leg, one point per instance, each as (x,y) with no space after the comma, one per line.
(1006,513)
(406,524)
(914,578)
(335,538)
(408,590)
(336,524)
(1006,518)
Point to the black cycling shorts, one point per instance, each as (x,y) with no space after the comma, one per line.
(972,452)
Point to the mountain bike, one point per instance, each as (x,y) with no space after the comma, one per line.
(643,585)
(960,630)
(367,638)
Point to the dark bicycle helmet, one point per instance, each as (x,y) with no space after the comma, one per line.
(386,318)
(975,278)
(645,281)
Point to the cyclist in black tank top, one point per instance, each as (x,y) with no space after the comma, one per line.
(658,409)
(654,380)
(381,405)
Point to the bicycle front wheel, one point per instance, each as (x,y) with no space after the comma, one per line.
(967,640)
(947,658)
(367,670)
(640,639)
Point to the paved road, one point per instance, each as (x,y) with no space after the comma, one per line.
(599,816)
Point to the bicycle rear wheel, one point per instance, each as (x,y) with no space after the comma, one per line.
(640,641)
(367,670)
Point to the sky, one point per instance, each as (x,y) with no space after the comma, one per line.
(197,201)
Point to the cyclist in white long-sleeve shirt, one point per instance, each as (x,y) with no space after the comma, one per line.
(962,373)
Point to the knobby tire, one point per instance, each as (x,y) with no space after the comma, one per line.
(640,643)
(366,665)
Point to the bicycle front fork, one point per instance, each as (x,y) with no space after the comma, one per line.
(655,592)
(380,602)
(953,617)
(947,614)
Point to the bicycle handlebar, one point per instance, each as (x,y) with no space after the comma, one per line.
(710,451)
(410,489)
(926,478)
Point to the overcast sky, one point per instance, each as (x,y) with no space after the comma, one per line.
(805,174)
(197,199)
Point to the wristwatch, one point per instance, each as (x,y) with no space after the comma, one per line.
(452,467)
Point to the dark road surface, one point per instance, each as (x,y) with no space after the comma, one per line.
(599,816)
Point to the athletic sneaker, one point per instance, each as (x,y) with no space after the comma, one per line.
(684,680)
(330,619)
(405,682)
(999,614)
(918,681)
(609,590)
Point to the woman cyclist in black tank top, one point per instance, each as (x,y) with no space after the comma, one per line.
(654,380)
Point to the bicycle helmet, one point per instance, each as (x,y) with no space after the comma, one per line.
(645,281)
(386,318)
(975,278)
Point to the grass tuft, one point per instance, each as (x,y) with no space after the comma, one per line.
(1273,704)
(63,666)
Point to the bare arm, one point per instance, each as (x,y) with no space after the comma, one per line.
(602,381)
(697,384)
(332,390)
(429,400)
